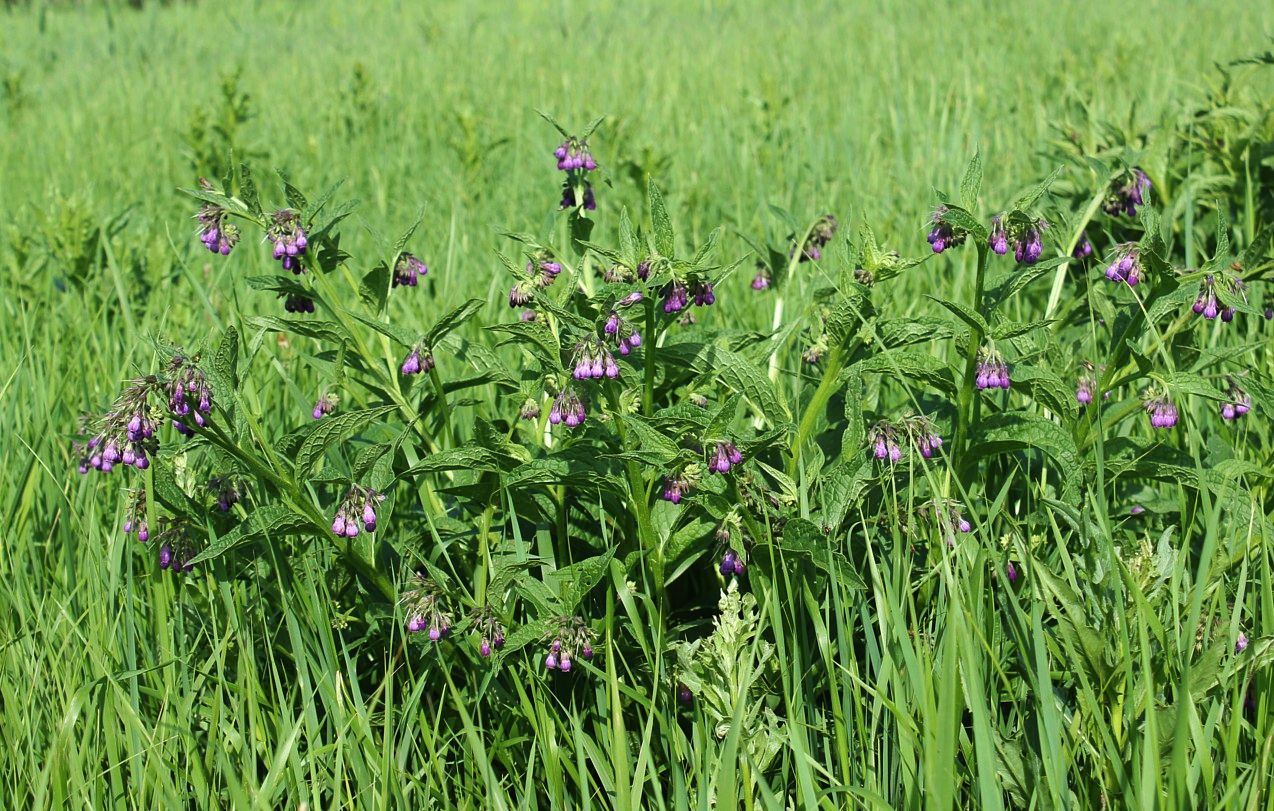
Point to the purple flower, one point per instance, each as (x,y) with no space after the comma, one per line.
(702,293)
(1163,414)
(1125,265)
(1238,404)
(1029,245)
(944,235)
(675,297)
(731,564)
(725,455)
(1084,387)
(216,234)
(415,363)
(684,696)
(324,405)
(567,409)
(883,437)
(573,155)
(288,239)
(1083,248)
(675,489)
(761,281)
(992,372)
(359,504)
(297,303)
(820,234)
(999,238)
(1011,571)
(1125,199)
(408,270)
(1240,644)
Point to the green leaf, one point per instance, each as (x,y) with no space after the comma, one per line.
(291,193)
(248,190)
(537,338)
(744,377)
(1013,329)
(574,582)
(466,457)
(401,244)
(452,320)
(1011,431)
(971,185)
(225,362)
(270,520)
(1046,389)
(962,219)
(320,330)
(553,121)
(904,364)
(976,322)
(393,333)
(333,430)
(1026,202)
(664,242)
(1187,383)
(627,241)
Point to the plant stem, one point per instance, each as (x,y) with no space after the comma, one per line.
(964,420)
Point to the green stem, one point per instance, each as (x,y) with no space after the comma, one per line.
(648,382)
(809,418)
(964,421)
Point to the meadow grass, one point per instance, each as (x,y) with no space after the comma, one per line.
(271,686)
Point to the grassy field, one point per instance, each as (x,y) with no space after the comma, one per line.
(884,669)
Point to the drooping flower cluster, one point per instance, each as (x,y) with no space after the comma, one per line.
(724,456)
(731,564)
(924,435)
(490,631)
(226,491)
(324,405)
(417,361)
(568,409)
(1125,265)
(761,281)
(624,333)
(408,271)
(1083,248)
(541,271)
(594,361)
(1238,403)
(189,395)
(1163,414)
(1085,385)
(358,506)
(948,516)
(177,547)
(297,303)
(678,295)
(992,372)
(126,434)
(819,236)
(1029,244)
(944,235)
(530,409)
(883,438)
(998,240)
(424,609)
(1207,304)
(288,238)
(675,487)
(574,158)
(1125,199)
(573,640)
(215,232)
(135,517)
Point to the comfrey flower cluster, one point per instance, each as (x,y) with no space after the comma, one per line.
(408,271)
(1086,385)
(1125,265)
(1163,414)
(944,235)
(541,271)
(1028,242)
(135,517)
(947,516)
(216,234)
(1126,198)
(297,303)
(1238,403)
(324,405)
(176,546)
(761,281)
(678,295)
(1083,248)
(819,236)
(676,486)
(573,640)
(887,438)
(417,361)
(724,456)
(574,158)
(288,238)
(568,409)
(490,631)
(424,609)
(594,361)
(226,491)
(992,372)
(189,395)
(624,333)
(358,505)
(1206,304)
(126,434)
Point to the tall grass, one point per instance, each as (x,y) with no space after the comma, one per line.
(1104,676)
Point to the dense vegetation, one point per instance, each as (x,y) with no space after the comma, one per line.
(859,413)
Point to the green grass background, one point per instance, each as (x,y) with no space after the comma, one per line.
(114,692)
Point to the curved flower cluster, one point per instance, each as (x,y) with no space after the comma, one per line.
(567,409)
(574,158)
(724,456)
(216,234)
(627,338)
(1239,403)
(407,271)
(135,518)
(1085,386)
(358,505)
(541,271)
(761,281)
(226,491)
(188,385)
(1029,244)
(731,564)
(883,437)
(416,362)
(490,631)
(568,196)
(288,238)
(324,405)
(924,435)
(297,303)
(1163,414)
(948,516)
(675,487)
(677,295)
(176,546)
(1125,265)
(530,409)
(573,640)
(424,609)
(1206,303)
(1083,248)
(819,236)
(992,371)
(1126,198)
(125,434)
(594,361)
(944,235)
